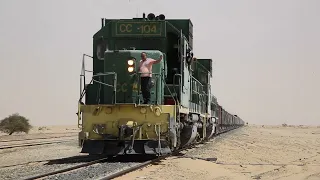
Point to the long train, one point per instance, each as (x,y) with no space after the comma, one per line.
(182,111)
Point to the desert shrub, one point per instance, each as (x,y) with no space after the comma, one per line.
(43,128)
(284,125)
(15,123)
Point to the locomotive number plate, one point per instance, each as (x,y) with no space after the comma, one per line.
(138,28)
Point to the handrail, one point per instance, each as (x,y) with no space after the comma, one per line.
(175,102)
(114,86)
(82,76)
(197,63)
(82,93)
(84,87)
(193,78)
(180,80)
(105,74)
(197,88)
(157,75)
(83,72)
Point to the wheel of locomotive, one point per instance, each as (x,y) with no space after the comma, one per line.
(188,134)
(210,130)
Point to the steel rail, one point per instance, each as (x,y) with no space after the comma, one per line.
(125,171)
(67,169)
(105,158)
(33,144)
(48,160)
(30,139)
(139,166)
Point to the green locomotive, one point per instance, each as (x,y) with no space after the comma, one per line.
(111,114)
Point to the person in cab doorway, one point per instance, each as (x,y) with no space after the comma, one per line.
(145,70)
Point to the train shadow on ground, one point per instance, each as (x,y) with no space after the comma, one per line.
(120,158)
(89,158)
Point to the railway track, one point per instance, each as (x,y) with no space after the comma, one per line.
(95,161)
(70,160)
(106,159)
(144,164)
(92,160)
(139,166)
(26,139)
(9,146)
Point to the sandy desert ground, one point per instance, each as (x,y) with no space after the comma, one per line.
(42,132)
(9,157)
(252,152)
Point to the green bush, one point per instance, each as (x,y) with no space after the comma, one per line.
(15,123)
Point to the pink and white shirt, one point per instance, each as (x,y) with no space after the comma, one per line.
(145,67)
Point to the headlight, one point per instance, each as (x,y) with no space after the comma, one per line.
(130,62)
(130,69)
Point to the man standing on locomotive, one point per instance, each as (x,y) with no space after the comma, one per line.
(145,70)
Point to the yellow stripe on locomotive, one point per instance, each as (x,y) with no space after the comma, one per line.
(128,128)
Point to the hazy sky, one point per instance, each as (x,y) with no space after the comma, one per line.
(266,54)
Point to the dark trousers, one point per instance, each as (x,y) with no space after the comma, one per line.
(145,88)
